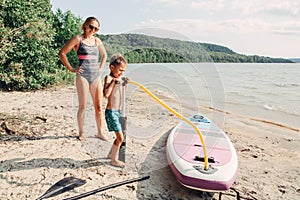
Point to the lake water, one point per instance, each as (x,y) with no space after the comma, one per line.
(268,92)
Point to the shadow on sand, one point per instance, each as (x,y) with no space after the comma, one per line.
(8,138)
(162,183)
(18,164)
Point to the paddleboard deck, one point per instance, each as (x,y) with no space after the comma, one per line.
(186,158)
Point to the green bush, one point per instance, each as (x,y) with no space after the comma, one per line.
(30,57)
(66,25)
(31,36)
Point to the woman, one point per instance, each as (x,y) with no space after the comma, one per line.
(88,73)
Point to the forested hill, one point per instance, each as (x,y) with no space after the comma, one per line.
(140,48)
(296,60)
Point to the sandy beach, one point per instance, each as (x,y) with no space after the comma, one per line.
(38,147)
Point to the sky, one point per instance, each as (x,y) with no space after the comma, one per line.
(251,27)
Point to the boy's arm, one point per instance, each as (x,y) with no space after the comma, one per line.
(109,84)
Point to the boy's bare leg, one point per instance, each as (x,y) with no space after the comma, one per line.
(113,156)
(115,149)
(109,154)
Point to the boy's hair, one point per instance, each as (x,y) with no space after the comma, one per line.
(117,59)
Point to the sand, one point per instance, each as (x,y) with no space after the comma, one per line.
(38,147)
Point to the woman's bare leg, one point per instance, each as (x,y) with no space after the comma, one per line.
(82,92)
(96,92)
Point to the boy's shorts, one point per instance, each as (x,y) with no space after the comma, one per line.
(112,120)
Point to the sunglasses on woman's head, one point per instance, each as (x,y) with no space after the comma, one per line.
(93,28)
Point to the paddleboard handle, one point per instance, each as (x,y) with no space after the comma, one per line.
(206,166)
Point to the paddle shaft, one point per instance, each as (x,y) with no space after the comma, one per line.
(114,185)
(123,121)
(122,150)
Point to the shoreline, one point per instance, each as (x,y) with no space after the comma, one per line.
(42,148)
(260,120)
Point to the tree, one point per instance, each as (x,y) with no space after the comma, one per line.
(30,38)
(66,25)
(29,56)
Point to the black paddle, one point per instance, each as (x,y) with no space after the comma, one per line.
(107,187)
(62,186)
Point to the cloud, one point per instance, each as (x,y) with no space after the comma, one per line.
(288,8)
(290,29)
(199,28)
(276,8)
(168,2)
(209,5)
(204,5)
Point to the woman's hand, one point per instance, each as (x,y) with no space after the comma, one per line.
(78,70)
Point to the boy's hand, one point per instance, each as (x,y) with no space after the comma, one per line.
(116,80)
(125,80)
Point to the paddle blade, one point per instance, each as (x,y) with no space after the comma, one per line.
(62,186)
(114,185)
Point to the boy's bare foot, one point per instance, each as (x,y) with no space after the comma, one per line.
(102,137)
(117,163)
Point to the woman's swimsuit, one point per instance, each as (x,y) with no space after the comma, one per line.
(89,60)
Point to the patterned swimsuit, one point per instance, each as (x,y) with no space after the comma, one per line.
(89,60)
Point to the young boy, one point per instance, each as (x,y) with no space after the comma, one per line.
(112,90)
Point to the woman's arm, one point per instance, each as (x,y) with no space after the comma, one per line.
(66,49)
(102,53)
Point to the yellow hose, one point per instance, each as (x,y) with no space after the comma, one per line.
(179,116)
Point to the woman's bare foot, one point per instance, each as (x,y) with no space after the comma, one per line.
(109,155)
(101,136)
(81,138)
(117,163)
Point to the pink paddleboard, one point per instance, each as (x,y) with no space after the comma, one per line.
(185,156)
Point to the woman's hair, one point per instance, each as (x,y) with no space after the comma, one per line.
(117,59)
(88,20)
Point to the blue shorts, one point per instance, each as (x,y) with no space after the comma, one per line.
(112,120)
